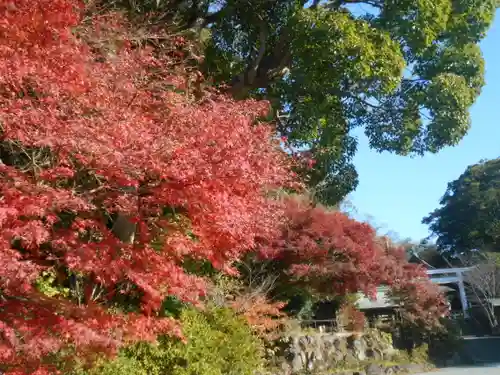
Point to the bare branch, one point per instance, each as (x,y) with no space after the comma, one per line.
(482,284)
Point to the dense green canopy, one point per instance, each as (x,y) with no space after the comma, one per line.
(407,71)
(469,216)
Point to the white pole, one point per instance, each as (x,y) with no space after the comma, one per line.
(463,295)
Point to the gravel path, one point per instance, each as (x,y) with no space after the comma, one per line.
(490,370)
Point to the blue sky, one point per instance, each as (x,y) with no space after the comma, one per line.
(396,192)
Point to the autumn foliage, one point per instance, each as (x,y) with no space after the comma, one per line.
(265,317)
(111,176)
(118,167)
(331,254)
(353,319)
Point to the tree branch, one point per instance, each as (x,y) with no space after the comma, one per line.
(338,3)
(271,66)
(213,17)
(315,4)
(247,77)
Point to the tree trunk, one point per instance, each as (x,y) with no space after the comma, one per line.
(124,229)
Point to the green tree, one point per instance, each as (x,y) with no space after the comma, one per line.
(469,216)
(406,71)
(428,255)
(217,342)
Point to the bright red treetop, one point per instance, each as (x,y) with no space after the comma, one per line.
(324,248)
(329,253)
(86,135)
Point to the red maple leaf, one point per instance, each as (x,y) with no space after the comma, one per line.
(105,136)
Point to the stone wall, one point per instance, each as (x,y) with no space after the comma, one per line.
(320,352)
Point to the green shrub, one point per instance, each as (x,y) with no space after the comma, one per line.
(218,342)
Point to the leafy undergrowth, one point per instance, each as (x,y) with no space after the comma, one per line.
(218,342)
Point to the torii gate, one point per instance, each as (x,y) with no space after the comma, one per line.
(452,276)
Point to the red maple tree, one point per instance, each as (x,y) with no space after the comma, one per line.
(421,301)
(324,249)
(331,254)
(265,317)
(112,175)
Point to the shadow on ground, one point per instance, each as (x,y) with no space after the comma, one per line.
(481,351)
